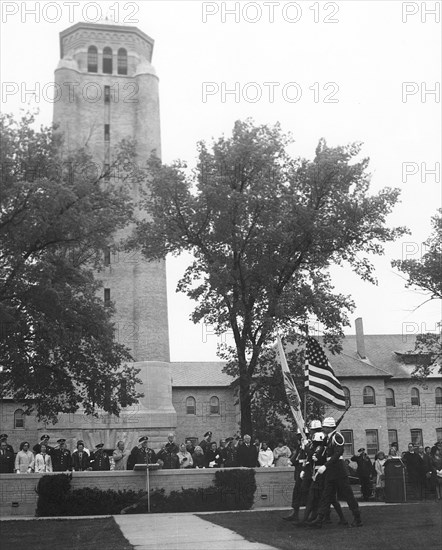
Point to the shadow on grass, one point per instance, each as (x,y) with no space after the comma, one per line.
(76,534)
(401,527)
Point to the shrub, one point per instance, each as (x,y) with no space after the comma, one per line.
(52,494)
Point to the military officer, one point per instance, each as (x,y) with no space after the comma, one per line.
(335,476)
(61,457)
(43,440)
(7,459)
(205,442)
(100,459)
(141,454)
(4,437)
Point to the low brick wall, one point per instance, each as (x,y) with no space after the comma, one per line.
(18,495)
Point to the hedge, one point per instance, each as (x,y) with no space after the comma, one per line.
(232,490)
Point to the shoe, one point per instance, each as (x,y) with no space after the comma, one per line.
(316,523)
(357,522)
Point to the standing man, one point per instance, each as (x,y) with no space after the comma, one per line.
(4,437)
(364,471)
(336,478)
(6,459)
(169,454)
(247,454)
(43,441)
(205,443)
(61,457)
(100,459)
(141,454)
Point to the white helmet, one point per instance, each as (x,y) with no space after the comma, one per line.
(329,422)
(315,424)
(318,437)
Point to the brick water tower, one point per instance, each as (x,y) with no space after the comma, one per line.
(109,93)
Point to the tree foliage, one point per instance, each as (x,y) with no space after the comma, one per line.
(426,273)
(57,348)
(263,229)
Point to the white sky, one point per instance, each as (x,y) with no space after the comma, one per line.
(367,55)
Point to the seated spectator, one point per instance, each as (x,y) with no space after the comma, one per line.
(229,454)
(265,456)
(379,466)
(213,456)
(281,455)
(43,462)
(24,461)
(80,459)
(6,459)
(142,454)
(185,457)
(199,459)
(247,454)
(120,456)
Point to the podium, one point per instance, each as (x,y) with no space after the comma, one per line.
(148,468)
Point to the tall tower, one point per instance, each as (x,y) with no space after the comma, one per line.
(109,92)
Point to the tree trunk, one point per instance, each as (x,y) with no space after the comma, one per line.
(245,402)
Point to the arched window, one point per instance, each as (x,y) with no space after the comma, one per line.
(19,419)
(389,398)
(122,61)
(92,59)
(347,395)
(369,397)
(214,405)
(415,399)
(438,396)
(107,60)
(190,405)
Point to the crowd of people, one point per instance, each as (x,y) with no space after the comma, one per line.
(424,465)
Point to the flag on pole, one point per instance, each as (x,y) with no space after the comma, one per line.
(320,380)
(290,389)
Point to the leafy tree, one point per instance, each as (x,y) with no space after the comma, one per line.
(426,273)
(264,228)
(57,214)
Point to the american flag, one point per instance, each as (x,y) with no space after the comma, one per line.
(320,380)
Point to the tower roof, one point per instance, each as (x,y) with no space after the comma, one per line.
(105,26)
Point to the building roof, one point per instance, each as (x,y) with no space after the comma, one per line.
(201,374)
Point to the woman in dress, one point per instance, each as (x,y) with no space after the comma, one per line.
(24,461)
(43,462)
(199,460)
(282,454)
(265,456)
(379,466)
(185,457)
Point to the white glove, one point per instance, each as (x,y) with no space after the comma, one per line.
(321,469)
(301,475)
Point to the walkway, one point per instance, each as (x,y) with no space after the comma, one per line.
(180,532)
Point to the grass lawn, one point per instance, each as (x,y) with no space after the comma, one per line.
(400,527)
(75,534)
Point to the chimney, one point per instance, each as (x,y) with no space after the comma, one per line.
(360,344)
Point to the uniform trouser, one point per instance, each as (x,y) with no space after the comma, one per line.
(331,488)
(365,486)
(300,492)
(314,499)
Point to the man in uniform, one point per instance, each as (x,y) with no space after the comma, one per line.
(169,454)
(335,476)
(100,459)
(4,437)
(205,443)
(80,458)
(301,459)
(43,440)
(7,459)
(364,471)
(61,457)
(141,454)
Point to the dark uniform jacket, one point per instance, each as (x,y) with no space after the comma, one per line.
(247,456)
(61,460)
(7,460)
(139,455)
(229,457)
(365,468)
(169,456)
(80,464)
(100,461)
(335,465)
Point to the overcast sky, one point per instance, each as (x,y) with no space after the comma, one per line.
(346,71)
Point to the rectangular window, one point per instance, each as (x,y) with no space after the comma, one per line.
(392,437)
(438,434)
(107,296)
(348,445)
(416,437)
(372,442)
(107,256)
(107,94)
(107,132)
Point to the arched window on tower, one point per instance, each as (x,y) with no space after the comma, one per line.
(389,398)
(415,399)
(19,419)
(190,405)
(214,405)
(347,395)
(368,396)
(122,61)
(92,59)
(107,60)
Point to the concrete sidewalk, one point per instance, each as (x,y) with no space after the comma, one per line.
(180,532)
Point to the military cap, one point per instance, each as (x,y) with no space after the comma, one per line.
(229,439)
(143,438)
(207,433)
(361,450)
(329,422)
(44,436)
(99,446)
(3,436)
(61,440)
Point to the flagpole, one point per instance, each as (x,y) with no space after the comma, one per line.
(305,379)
